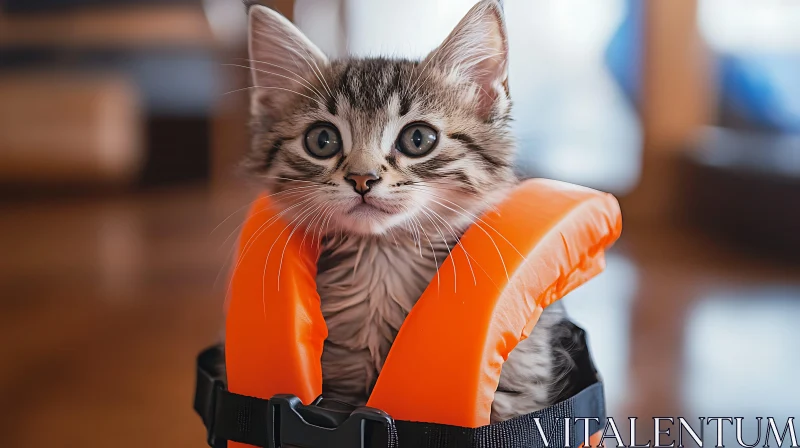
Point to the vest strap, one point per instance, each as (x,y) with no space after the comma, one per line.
(283,420)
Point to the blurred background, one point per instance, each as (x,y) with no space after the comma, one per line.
(119,199)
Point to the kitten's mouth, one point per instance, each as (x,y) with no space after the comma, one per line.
(365,208)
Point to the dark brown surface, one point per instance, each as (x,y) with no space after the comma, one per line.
(105,304)
(106,301)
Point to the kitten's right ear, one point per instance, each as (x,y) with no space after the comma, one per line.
(477,50)
(283,61)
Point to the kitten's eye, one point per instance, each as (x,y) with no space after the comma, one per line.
(416,140)
(323,140)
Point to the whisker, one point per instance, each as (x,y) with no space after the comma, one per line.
(290,192)
(433,251)
(314,69)
(301,82)
(450,254)
(261,229)
(447,186)
(325,223)
(276,88)
(478,218)
(321,76)
(269,252)
(230,253)
(256,200)
(293,48)
(391,232)
(476,223)
(416,237)
(306,196)
(502,261)
(297,76)
(249,243)
(249,204)
(470,214)
(317,218)
(280,266)
(430,58)
(457,239)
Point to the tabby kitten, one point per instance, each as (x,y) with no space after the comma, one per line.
(388,161)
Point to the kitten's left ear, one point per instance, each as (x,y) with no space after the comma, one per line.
(284,63)
(477,49)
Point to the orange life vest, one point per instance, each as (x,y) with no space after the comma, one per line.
(541,242)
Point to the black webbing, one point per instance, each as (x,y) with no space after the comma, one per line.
(232,417)
(520,432)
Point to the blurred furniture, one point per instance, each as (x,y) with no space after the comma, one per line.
(745,187)
(56,129)
(677,98)
(143,73)
(107,26)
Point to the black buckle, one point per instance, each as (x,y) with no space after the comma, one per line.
(283,420)
(291,423)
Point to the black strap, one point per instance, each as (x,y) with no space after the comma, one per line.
(520,432)
(284,420)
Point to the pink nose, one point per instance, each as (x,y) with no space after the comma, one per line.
(362,182)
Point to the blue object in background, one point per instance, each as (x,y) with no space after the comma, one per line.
(756,90)
(761,90)
(623,55)
(575,119)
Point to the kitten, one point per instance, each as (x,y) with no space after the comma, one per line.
(390,161)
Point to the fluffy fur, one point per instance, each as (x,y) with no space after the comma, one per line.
(381,249)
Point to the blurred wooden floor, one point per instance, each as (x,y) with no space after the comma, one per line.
(105,302)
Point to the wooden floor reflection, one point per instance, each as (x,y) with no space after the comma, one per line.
(106,301)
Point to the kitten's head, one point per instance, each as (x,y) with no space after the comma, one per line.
(367,145)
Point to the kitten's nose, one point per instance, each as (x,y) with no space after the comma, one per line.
(362,182)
